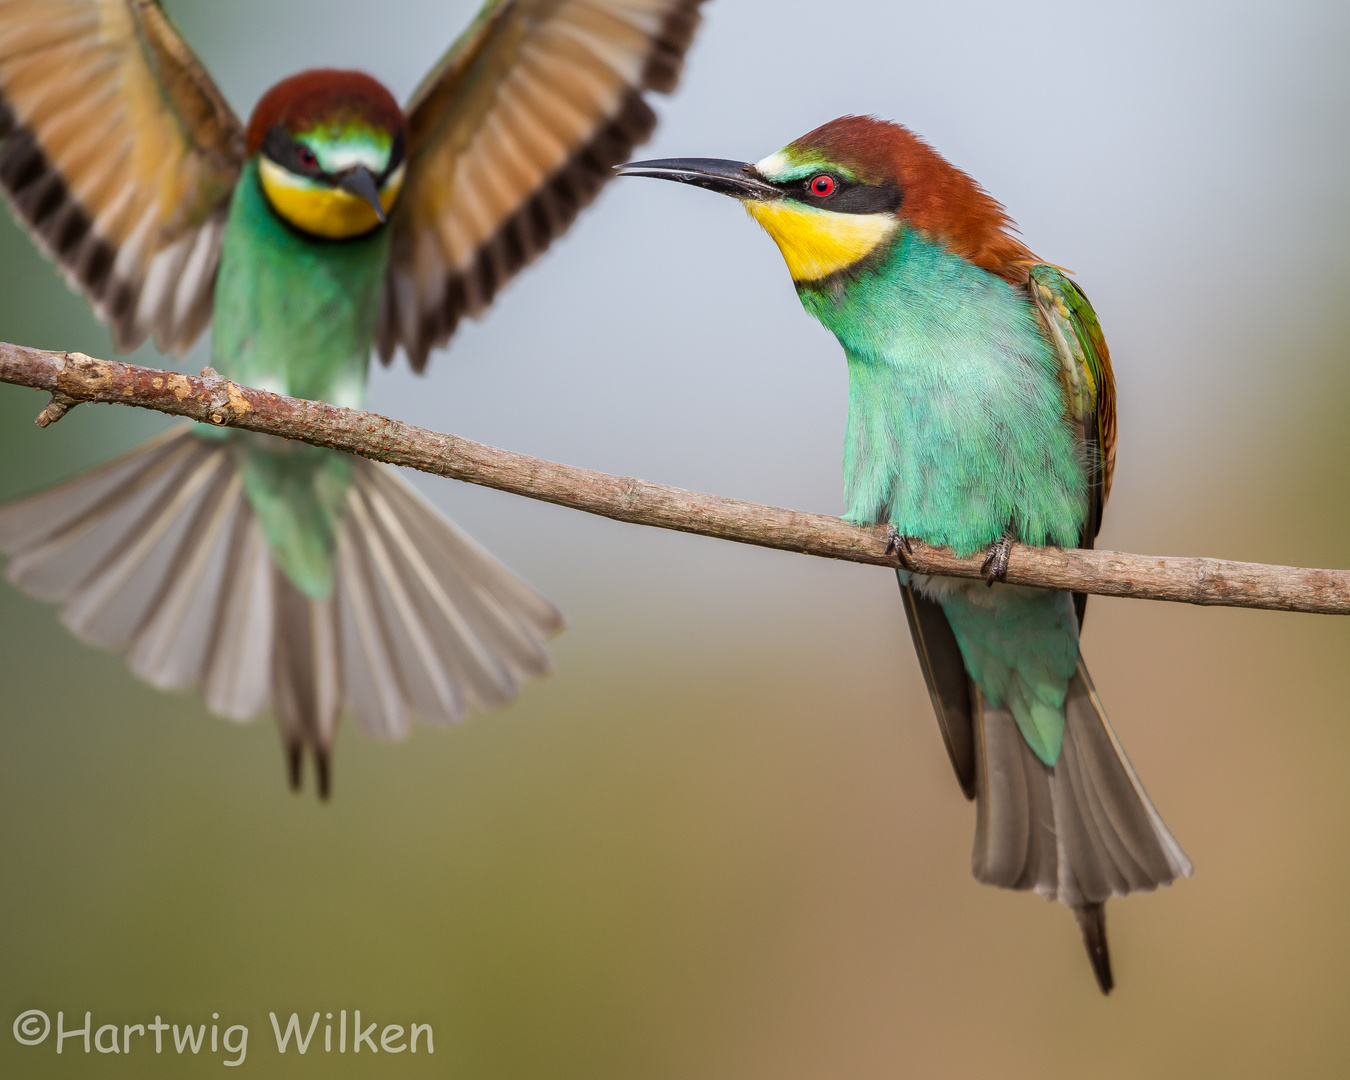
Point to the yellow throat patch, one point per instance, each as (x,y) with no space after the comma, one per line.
(817,243)
(321,210)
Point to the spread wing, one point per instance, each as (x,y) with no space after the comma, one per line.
(119,154)
(513,132)
(1089,387)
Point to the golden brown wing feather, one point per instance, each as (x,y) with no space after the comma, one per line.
(1071,327)
(119,154)
(511,135)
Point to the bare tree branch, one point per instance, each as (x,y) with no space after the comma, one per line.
(211,399)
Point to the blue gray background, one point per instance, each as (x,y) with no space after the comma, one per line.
(722,840)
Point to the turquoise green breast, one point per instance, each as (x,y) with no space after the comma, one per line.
(956,427)
(956,432)
(297,316)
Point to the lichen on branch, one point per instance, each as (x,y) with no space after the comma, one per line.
(211,399)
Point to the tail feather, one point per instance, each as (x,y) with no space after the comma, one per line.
(1079,832)
(160,553)
(171,638)
(109,604)
(458,628)
(1092,921)
(1015,845)
(57,543)
(509,618)
(1123,808)
(235,675)
(434,687)
(61,510)
(306,676)
(374,686)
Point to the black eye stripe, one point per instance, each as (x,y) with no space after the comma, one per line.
(285,151)
(278,146)
(848,196)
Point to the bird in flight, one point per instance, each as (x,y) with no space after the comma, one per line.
(335,223)
(981,412)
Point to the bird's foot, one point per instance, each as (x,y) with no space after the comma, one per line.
(899,544)
(995,566)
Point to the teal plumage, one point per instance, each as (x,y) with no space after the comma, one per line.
(981,411)
(1021,648)
(334,223)
(957,435)
(956,427)
(269,571)
(295,316)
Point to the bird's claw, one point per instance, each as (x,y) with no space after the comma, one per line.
(995,567)
(899,544)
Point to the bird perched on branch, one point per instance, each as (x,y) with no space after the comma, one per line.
(981,411)
(334,223)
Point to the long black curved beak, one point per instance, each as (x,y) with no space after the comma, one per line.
(738,179)
(360,181)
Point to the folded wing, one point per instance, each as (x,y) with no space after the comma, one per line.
(1089,386)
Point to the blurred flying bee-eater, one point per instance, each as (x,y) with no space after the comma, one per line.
(334,223)
(981,411)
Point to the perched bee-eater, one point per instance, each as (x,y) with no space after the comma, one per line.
(981,411)
(334,223)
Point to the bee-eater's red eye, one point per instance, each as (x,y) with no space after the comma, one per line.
(822,185)
(307,158)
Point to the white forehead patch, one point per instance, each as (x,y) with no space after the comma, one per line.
(774,167)
(780,168)
(337,157)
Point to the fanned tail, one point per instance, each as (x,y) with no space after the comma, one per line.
(159,553)
(1080,832)
(428,621)
(156,553)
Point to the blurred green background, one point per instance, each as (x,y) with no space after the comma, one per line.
(723,840)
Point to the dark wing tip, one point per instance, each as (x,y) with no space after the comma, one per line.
(552,207)
(527,233)
(944,674)
(665,63)
(62,227)
(73,78)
